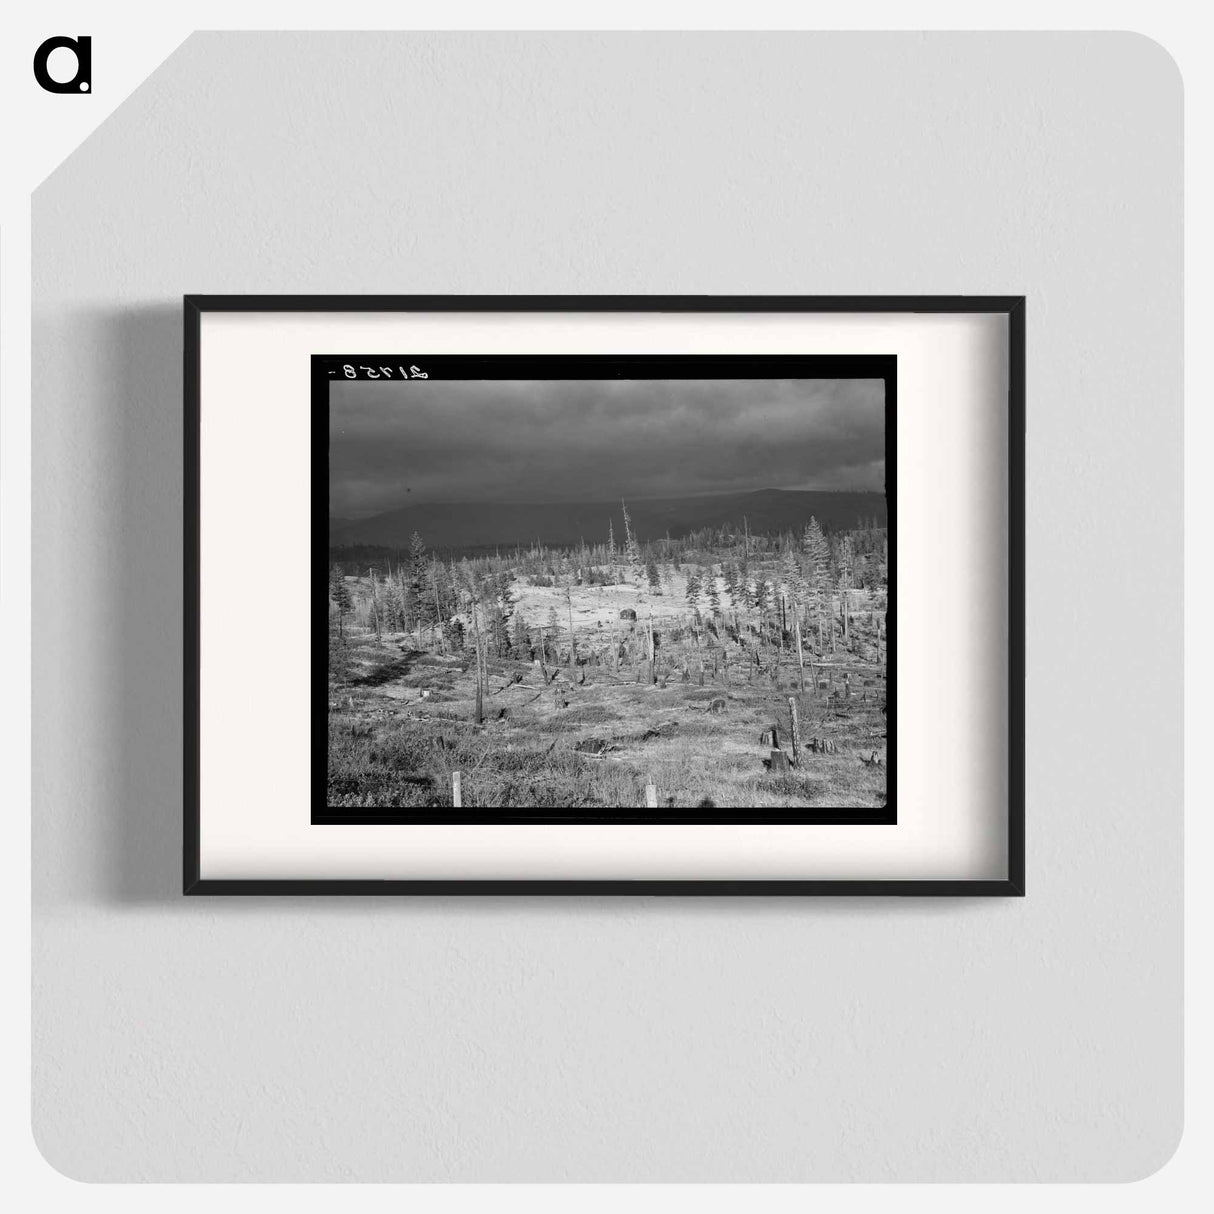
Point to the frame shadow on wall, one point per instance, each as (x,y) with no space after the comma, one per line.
(141,612)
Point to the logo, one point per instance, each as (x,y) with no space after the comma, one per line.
(82,81)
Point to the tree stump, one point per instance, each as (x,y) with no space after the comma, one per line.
(796,730)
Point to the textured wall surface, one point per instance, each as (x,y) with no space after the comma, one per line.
(1037,1039)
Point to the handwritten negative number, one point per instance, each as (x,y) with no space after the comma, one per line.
(412,372)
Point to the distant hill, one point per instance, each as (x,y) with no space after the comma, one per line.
(479,525)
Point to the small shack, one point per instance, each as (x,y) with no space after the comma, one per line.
(628,614)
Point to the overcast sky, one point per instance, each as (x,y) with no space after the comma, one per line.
(394,444)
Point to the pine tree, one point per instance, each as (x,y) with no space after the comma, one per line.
(730,574)
(693,589)
(791,581)
(442,589)
(376,610)
(792,587)
(655,582)
(421,599)
(498,634)
(504,592)
(815,547)
(394,605)
(520,640)
(817,553)
(631,552)
(339,592)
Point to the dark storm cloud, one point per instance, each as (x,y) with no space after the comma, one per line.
(595,440)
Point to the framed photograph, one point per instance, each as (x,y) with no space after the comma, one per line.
(680,595)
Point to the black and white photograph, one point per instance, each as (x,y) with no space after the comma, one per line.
(604,588)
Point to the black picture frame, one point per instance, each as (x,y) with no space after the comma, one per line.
(1010,306)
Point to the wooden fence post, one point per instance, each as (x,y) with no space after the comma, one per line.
(651,796)
(796,731)
(457,797)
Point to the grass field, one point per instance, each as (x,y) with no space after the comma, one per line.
(591,734)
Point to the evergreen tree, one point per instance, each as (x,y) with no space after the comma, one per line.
(394,605)
(454,635)
(421,598)
(655,583)
(520,639)
(499,637)
(503,590)
(339,592)
(817,554)
(730,574)
(631,552)
(693,589)
(791,581)
(375,611)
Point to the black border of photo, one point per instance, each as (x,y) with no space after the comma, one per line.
(585,367)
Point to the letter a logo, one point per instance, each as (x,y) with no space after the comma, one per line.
(82,81)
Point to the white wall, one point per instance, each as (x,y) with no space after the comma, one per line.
(627,1039)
